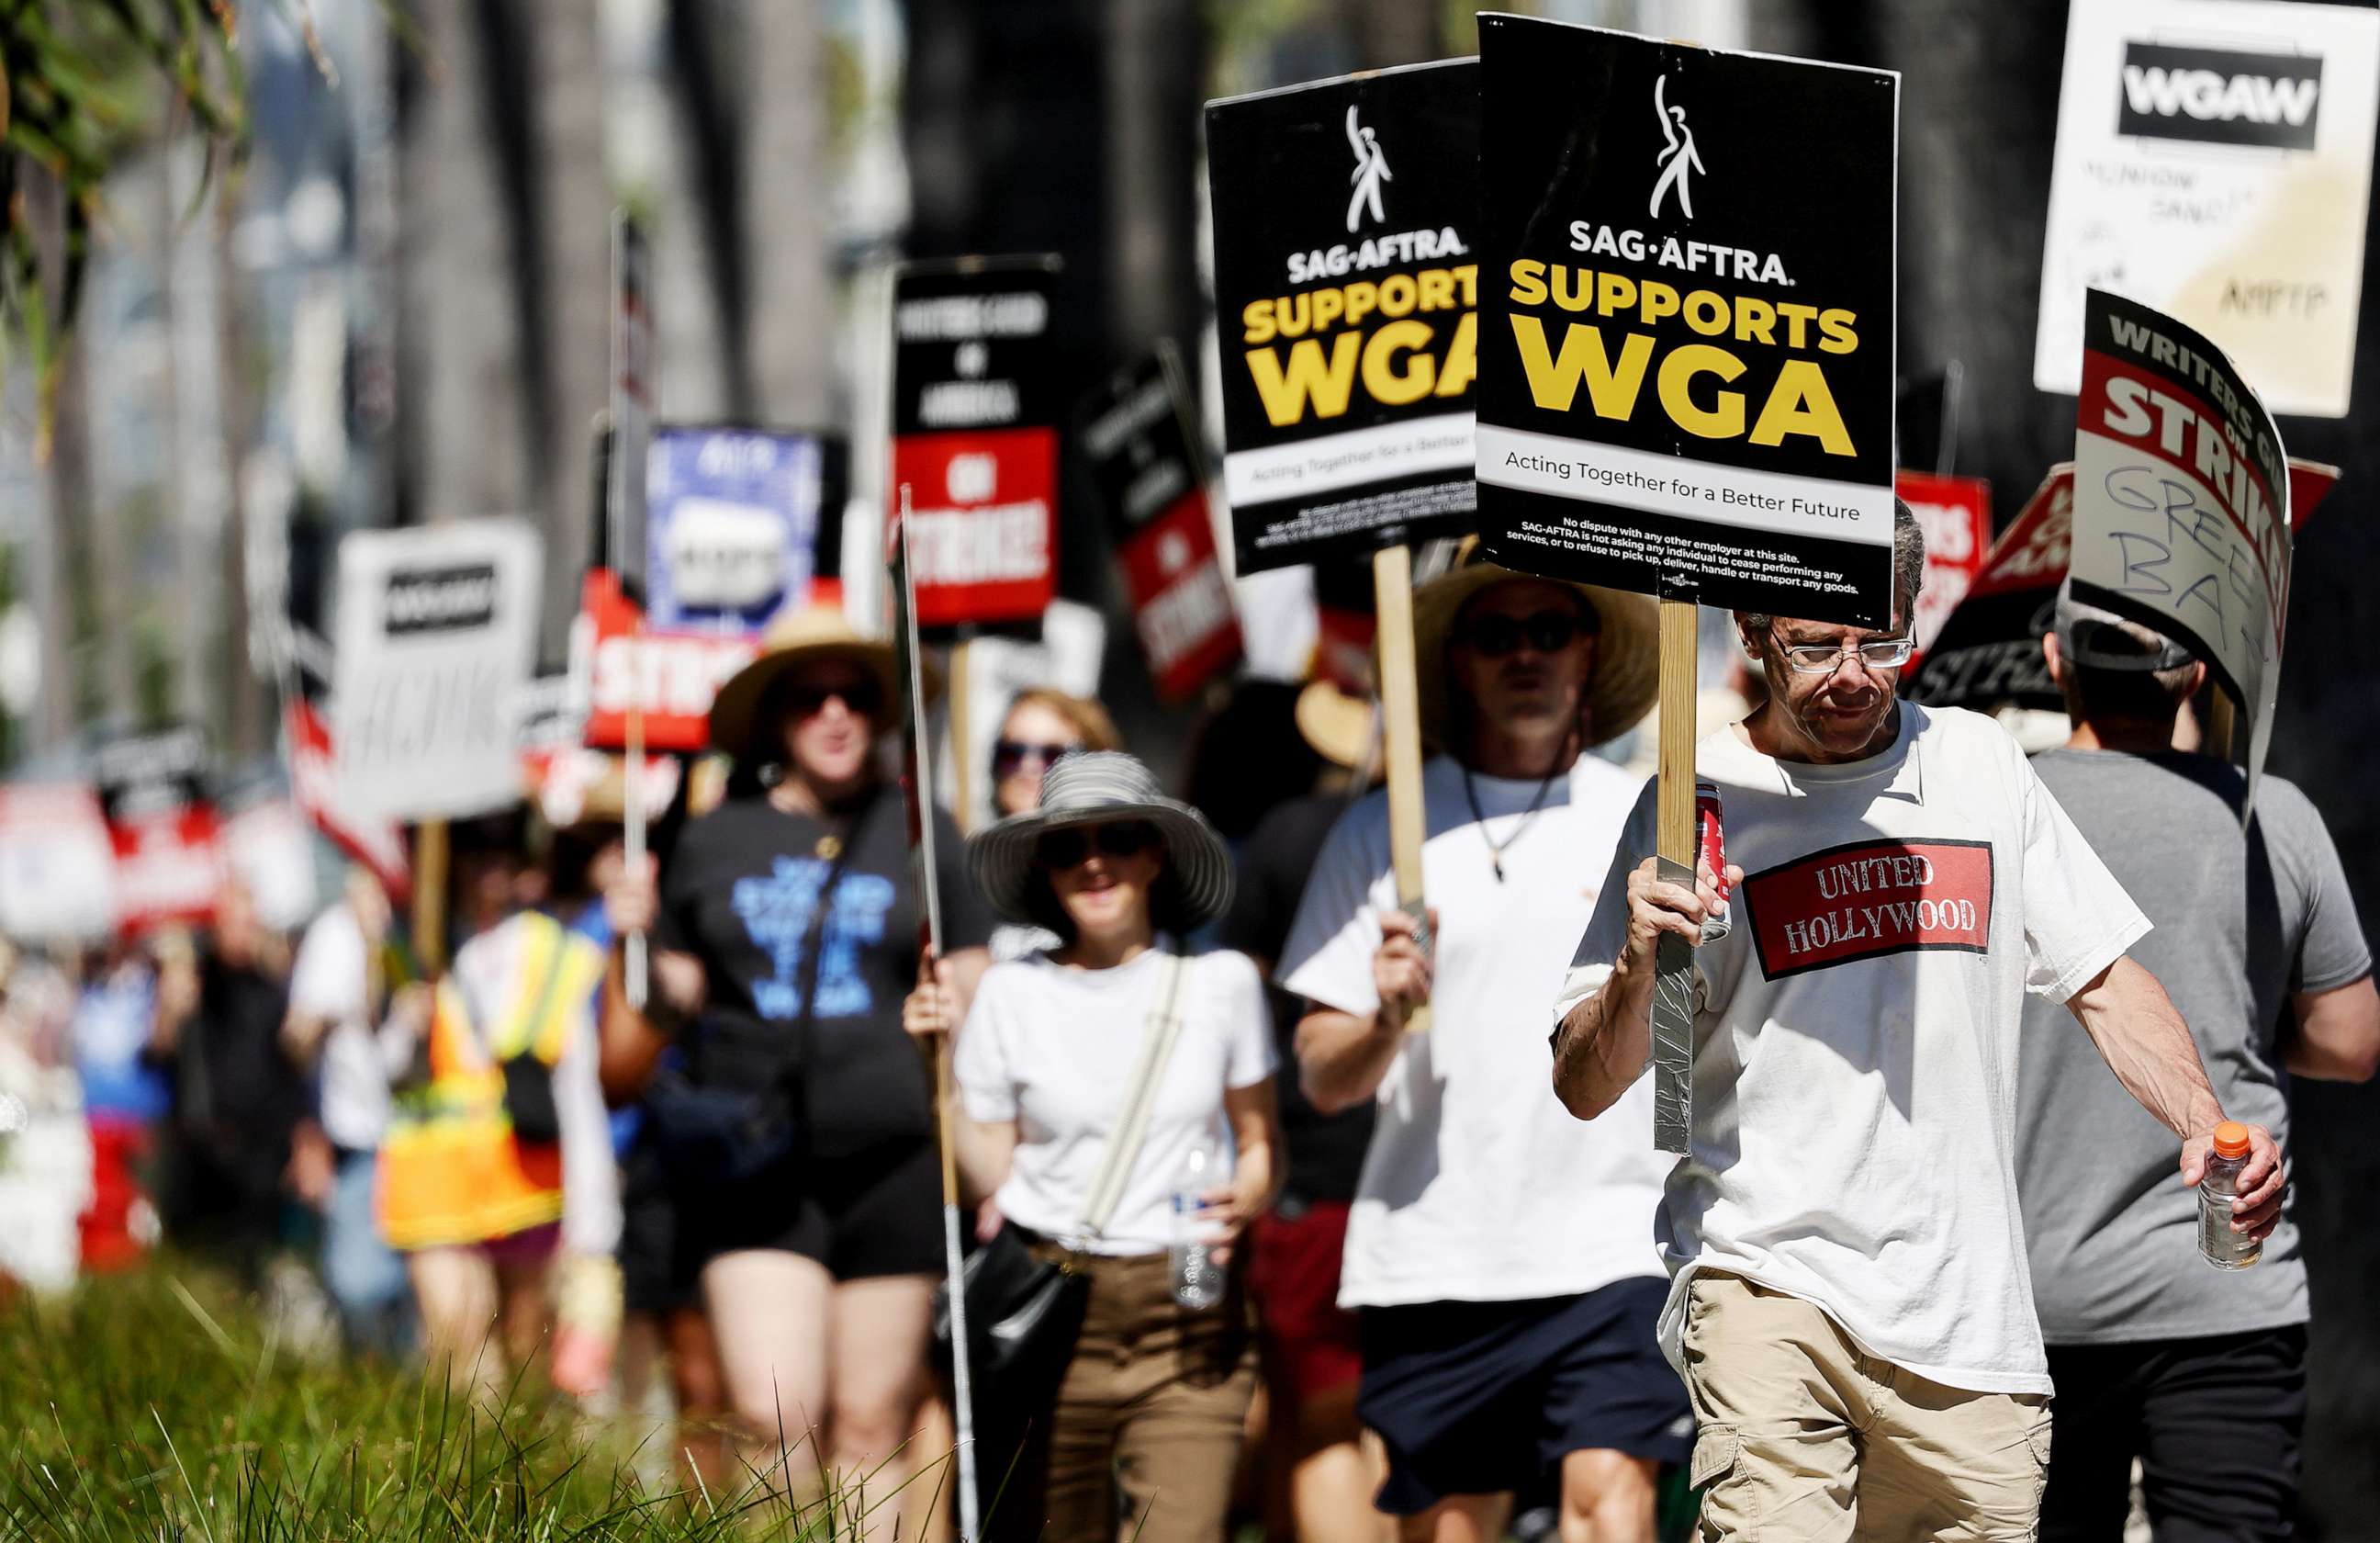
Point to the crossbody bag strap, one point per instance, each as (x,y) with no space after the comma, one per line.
(1156,1044)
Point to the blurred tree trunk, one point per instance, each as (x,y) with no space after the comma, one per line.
(243,719)
(463,434)
(787,214)
(567,225)
(1155,66)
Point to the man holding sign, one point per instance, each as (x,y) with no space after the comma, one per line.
(1850,1304)
(1496,1250)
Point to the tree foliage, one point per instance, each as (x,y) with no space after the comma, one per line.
(82,82)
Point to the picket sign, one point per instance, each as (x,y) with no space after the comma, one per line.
(1691,402)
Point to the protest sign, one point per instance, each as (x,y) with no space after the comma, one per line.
(2215,161)
(1152,492)
(628,443)
(165,832)
(57,864)
(734,519)
(2182,503)
(269,848)
(377,843)
(1956,515)
(1346,278)
(1686,365)
(1987,653)
(974,438)
(667,677)
(1067,655)
(436,635)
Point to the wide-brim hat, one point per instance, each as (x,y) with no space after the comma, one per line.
(1338,725)
(1100,787)
(811,634)
(1627,678)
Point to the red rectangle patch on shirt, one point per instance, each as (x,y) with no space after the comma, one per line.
(1867,899)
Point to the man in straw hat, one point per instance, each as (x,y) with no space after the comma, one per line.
(2199,1373)
(1498,1253)
(1851,1307)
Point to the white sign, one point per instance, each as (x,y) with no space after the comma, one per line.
(1074,639)
(2215,162)
(57,867)
(270,849)
(437,634)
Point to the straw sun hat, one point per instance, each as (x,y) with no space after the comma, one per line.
(1627,677)
(811,634)
(1100,788)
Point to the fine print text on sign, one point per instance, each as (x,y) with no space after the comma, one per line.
(1347,277)
(1686,364)
(1144,464)
(2181,500)
(437,634)
(974,438)
(2215,161)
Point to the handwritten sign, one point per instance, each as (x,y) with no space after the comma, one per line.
(437,634)
(2182,500)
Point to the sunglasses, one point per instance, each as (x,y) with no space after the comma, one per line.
(860,696)
(1008,755)
(1058,850)
(1546,632)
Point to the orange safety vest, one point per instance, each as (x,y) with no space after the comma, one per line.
(451,1170)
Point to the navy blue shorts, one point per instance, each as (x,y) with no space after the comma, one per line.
(1478,1398)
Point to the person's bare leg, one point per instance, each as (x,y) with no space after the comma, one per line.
(1336,1468)
(456,1290)
(933,1459)
(880,1332)
(769,1311)
(524,1308)
(700,1384)
(1459,1519)
(1608,1496)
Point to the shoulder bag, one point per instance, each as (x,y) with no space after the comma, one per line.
(1025,1314)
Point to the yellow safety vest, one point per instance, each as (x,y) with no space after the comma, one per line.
(451,1170)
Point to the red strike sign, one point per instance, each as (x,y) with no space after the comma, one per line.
(1870,899)
(1181,604)
(670,676)
(983,523)
(169,867)
(1956,515)
(379,844)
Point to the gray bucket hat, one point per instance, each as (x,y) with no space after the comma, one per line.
(1100,788)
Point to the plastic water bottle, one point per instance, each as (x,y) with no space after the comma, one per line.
(2223,1249)
(1198,1283)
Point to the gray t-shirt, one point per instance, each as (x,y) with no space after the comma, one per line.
(2244,920)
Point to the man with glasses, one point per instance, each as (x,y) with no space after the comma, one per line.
(1850,1303)
(1498,1253)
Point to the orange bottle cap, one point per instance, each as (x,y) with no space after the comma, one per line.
(2231,1139)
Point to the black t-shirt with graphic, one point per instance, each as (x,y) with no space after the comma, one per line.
(741,893)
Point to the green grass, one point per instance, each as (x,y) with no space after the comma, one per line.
(159,1406)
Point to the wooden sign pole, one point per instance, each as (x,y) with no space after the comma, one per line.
(1673,979)
(1400,713)
(961,749)
(429,898)
(633,966)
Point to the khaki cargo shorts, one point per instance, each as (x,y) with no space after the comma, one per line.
(1806,1439)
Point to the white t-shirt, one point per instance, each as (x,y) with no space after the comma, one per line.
(1053,1049)
(327,981)
(1855,1056)
(1479,1186)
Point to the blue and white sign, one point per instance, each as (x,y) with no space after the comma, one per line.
(731,524)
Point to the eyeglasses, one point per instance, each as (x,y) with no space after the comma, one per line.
(1824,659)
(860,696)
(1059,850)
(1009,754)
(1546,632)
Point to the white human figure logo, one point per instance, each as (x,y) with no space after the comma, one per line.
(1371,170)
(1673,161)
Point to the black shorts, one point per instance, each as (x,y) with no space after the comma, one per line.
(2215,1422)
(872,1214)
(650,1279)
(1480,1398)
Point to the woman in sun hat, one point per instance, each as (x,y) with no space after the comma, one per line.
(1157,1392)
(785,938)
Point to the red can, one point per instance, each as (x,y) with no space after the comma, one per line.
(1710,851)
